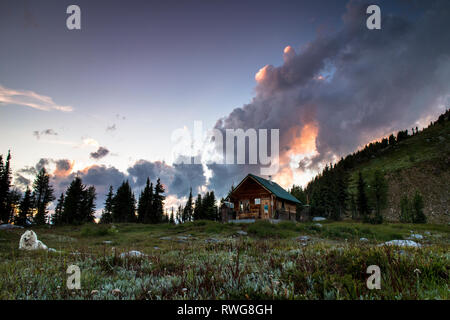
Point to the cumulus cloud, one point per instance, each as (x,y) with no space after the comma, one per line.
(100,153)
(349,87)
(30,99)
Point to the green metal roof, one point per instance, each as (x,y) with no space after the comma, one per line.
(273,187)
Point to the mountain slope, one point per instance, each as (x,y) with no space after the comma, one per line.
(420,162)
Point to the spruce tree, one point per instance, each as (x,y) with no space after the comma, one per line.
(89,197)
(362,201)
(379,193)
(5,184)
(158,203)
(107,210)
(418,205)
(25,208)
(188,208)
(43,195)
(59,209)
(198,208)
(145,203)
(79,203)
(172,217)
(124,204)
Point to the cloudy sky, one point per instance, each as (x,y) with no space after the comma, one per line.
(103,101)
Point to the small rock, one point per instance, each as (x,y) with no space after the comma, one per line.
(363,239)
(401,243)
(318,225)
(52,250)
(302,238)
(165,238)
(156,248)
(241,233)
(319,219)
(416,236)
(107,242)
(182,238)
(428,233)
(132,253)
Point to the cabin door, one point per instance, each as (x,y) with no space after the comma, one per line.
(265,208)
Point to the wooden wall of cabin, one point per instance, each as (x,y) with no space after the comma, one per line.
(251,190)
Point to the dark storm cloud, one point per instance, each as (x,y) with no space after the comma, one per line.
(24,176)
(355,85)
(178,178)
(100,153)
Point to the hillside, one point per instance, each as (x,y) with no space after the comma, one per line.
(420,162)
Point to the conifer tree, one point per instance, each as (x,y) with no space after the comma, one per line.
(108,208)
(25,208)
(79,203)
(172,217)
(57,218)
(362,201)
(5,184)
(145,204)
(418,205)
(158,203)
(180,214)
(43,195)
(124,204)
(198,208)
(188,208)
(379,193)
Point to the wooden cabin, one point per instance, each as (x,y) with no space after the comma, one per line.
(259,198)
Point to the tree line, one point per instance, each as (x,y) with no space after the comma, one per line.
(204,208)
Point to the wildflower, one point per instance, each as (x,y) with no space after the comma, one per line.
(417,271)
(184,289)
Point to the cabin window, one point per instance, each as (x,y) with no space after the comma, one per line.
(257,201)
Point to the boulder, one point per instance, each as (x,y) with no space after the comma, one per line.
(363,239)
(319,219)
(241,233)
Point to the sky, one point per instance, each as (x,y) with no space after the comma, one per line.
(102,102)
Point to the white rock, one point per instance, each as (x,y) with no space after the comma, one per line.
(318,225)
(132,253)
(29,241)
(363,239)
(319,219)
(416,236)
(401,243)
(241,233)
(302,238)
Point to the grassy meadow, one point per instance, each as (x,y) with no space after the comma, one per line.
(210,260)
